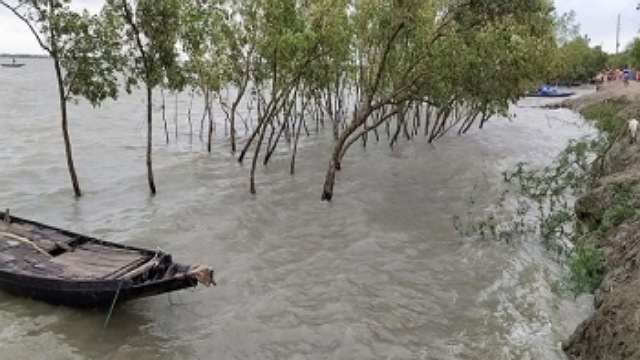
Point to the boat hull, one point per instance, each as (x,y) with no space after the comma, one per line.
(66,268)
(87,294)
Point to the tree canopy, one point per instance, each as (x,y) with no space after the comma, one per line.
(409,66)
(576,61)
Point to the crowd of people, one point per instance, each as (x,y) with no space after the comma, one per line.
(624,75)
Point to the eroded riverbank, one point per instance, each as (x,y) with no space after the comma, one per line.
(610,213)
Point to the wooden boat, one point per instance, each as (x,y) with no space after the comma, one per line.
(14,65)
(65,268)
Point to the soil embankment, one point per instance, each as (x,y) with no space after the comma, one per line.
(610,211)
(614,91)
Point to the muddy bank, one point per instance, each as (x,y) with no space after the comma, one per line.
(610,213)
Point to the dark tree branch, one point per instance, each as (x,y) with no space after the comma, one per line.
(383,62)
(24,19)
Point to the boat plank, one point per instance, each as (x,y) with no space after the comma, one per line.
(24,258)
(95,261)
(47,240)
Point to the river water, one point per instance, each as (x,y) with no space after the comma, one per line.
(379,273)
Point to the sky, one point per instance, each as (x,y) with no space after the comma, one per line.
(15,36)
(597,18)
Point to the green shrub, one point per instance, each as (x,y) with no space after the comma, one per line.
(605,116)
(586,267)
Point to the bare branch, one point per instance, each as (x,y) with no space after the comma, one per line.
(383,62)
(366,130)
(24,19)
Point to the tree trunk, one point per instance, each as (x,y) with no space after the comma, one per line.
(164,117)
(189,119)
(339,149)
(232,130)
(232,118)
(254,162)
(364,137)
(204,114)
(247,145)
(334,165)
(272,147)
(175,117)
(292,169)
(152,184)
(65,130)
(329,181)
(210,130)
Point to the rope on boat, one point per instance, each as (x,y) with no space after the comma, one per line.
(113,305)
(155,261)
(26,241)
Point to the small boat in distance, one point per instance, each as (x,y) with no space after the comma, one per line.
(65,268)
(12,64)
(548,91)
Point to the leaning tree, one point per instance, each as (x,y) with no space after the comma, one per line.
(409,52)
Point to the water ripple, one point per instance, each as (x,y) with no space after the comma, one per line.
(379,273)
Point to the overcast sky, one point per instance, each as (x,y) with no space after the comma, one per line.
(597,18)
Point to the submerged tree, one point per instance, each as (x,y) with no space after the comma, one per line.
(150,33)
(470,56)
(83,56)
(238,56)
(292,44)
(202,41)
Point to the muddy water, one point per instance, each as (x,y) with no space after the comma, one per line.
(380,273)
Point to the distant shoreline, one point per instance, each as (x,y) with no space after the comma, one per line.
(24,56)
